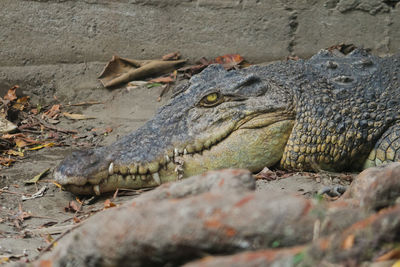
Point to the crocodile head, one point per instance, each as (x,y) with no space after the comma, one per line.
(219,119)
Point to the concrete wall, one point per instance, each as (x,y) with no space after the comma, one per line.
(47,32)
(62,31)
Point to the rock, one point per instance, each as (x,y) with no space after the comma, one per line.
(377,187)
(228,180)
(6,126)
(219,214)
(278,257)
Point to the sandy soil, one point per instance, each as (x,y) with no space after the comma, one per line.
(27,227)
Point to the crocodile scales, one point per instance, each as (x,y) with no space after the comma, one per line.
(332,112)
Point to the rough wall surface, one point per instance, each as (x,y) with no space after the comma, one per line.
(62,31)
(47,32)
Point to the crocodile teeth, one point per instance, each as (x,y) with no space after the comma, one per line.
(176,152)
(111,168)
(96,190)
(156,178)
(167,159)
(185,152)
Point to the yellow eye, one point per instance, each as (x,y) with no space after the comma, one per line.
(212,97)
(211,100)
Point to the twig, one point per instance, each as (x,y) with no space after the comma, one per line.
(30,131)
(14,193)
(72,227)
(84,103)
(55,128)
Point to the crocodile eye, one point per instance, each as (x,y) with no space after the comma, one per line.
(210,100)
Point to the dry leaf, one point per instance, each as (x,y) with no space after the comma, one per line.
(37,177)
(21,143)
(72,116)
(266,174)
(21,102)
(53,111)
(11,94)
(73,206)
(189,71)
(108,204)
(6,161)
(348,242)
(15,153)
(229,61)
(41,146)
(49,239)
(38,194)
(392,254)
(167,79)
(172,56)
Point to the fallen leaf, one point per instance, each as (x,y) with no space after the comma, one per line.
(11,94)
(229,61)
(52,121)
(167,79)
(121,70)
(38,194)
(21,102)
(6,161)
(4,259)
(348,242)
(21,143)
(41,146)
(52,112)
(295,58)
(15,153)
(135,84)
(266,174)
(49,239)
(392,254)
(22,215)
(172,56)
(189,71)
(37,177)
(151,85)
(48,224)
(108,204)
(85,103)
(73,116)
(343,48)
(57,184)
(108,130)
(39,108)
(73,206)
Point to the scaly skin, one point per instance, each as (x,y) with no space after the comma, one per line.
(329,112)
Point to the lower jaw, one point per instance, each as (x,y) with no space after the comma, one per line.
(251,149)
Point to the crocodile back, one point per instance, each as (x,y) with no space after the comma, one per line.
(343,105)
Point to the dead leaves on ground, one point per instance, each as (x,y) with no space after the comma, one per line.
(120,71)
(269,175)
(229,61)
(25,128)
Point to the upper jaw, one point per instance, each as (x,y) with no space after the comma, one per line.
(113,174)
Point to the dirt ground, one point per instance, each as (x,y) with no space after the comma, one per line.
(28,227)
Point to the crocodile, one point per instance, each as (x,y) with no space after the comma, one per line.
(332,112)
